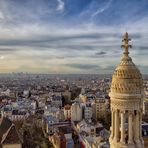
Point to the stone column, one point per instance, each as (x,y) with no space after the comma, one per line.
(130,127)
(112,124)
(136,127)
(140,125)
(116,136)
(122,127)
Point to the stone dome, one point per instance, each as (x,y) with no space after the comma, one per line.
(126,78)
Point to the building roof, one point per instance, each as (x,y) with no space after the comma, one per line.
(5,124)
(65,129)
(67,107)
(11,136)
(8,132)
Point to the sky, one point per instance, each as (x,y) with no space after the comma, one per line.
(71,36)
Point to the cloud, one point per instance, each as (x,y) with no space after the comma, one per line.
(101,53)
(67,46)
(100,10)
(82,66)
(60,57)
(2,57)
(1,16)
(35,35)
(142,47)
(5,50)
(143,68)
(60,6)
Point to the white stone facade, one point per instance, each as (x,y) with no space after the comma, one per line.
(76,112)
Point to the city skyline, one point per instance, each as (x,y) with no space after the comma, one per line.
(81,36)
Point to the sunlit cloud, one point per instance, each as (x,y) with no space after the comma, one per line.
(1,57)
(36,37)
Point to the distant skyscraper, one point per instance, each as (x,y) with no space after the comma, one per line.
(126,103)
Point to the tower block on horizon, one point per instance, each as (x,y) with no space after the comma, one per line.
(126,103)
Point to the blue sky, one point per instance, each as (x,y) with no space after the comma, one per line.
(71,36)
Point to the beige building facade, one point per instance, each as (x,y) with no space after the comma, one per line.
(12,146)
(101,108)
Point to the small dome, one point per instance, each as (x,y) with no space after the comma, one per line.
(126,78)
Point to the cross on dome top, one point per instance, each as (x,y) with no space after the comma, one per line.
(126,44)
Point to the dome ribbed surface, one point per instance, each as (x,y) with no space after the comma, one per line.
(126,78)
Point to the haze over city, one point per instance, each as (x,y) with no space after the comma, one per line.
(71,36)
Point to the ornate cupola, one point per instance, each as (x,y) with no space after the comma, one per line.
(126,102)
